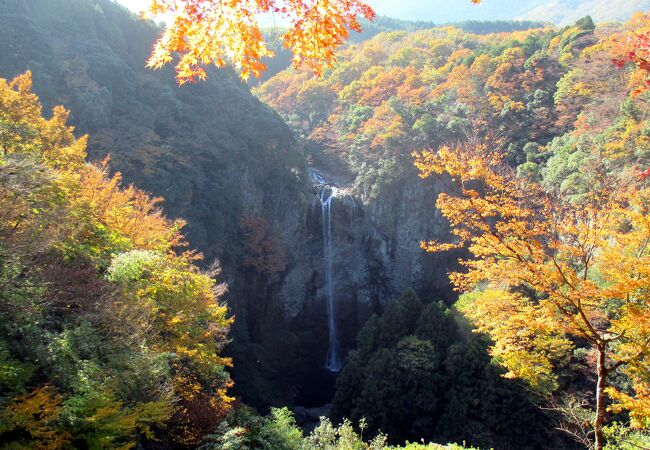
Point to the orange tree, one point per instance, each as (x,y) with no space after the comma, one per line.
(216,31)
(545,273)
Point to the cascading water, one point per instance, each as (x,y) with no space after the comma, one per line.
(333,362)
(328,192)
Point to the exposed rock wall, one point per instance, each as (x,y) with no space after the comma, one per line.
(375,252)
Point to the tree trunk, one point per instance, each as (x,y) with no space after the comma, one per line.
(601,371)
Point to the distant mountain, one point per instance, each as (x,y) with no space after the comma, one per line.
(386,24)
(561,12)
(564,12)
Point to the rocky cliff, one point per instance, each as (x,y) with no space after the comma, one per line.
(348,257)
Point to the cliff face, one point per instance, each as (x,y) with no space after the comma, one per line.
(218,155)
(347,258)
(375,246)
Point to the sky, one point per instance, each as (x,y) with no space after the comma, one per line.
(134,5)
(438,11)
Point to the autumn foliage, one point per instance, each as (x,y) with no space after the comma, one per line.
(96,282)
(215,31)
(633,47)
(545,271)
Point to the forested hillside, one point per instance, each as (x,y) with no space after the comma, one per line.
(97,283)
(223,161)
(545,94)
(111,336)
(282,56)
(566,120)
(190,145)
(440,237)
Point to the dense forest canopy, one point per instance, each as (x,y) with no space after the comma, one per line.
(95,284)
(546,107)
(442,237)
(534,90)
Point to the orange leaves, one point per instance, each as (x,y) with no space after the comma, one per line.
(632,47)
(23,130)
(128,211)
(204,32)
(495,215)
(100,205)
(384,128)
(215,31)
(380,84)
(321,27)
(584,269)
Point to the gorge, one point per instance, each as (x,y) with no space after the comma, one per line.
(258,258)
(210,149)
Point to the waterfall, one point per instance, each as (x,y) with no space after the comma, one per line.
(328,192)
(333,363)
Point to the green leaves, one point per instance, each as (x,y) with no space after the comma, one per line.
(92,288)
(132,266)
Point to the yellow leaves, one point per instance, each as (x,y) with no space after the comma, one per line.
(24,131)
(186,318)
(33,419)
(205,31)
(35,414)
(434,247)
(498,101)
(53,201)
(638,405)
(586,268)
(624,259)
(476,163)
(527,345)
(127,211)
(176,320)
(626,139)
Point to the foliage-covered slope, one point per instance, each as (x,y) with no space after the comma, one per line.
(222,160)
(108,331)
(194,145)
(381,24)
(110,336)
(565,117)
(524,90)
